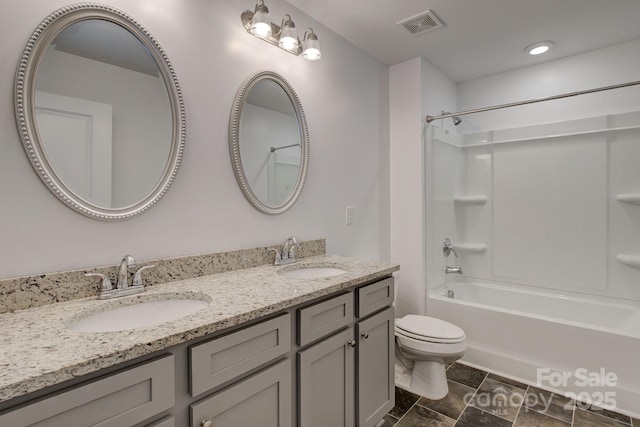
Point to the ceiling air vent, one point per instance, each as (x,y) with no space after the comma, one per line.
(422,23)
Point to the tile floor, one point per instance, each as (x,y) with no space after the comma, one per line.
(477,398)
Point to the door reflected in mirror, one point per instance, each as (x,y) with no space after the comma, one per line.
(269,143)
(103,113)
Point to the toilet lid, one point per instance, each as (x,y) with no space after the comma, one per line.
(429,327)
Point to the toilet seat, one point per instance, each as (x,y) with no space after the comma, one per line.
(429,329)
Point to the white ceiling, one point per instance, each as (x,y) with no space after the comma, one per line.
(481,37)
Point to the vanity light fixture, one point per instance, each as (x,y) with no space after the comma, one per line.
(260,23)
(311,46)
(288,39)
(538,48)
(284,36)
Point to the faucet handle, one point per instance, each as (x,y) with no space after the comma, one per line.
(105,283)
(447,248)
(137,278)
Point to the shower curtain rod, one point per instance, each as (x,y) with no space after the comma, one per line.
(272,149)
(429,119)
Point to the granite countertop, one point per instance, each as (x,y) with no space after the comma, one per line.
(37,350)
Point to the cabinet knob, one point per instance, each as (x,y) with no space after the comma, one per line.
(352,343)
(206,423)
(365,335)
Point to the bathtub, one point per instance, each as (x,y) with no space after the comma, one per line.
(583,348)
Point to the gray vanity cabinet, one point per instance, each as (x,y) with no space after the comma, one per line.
(376,350)
(263,399)
(320,364)
(347,379)
(230,356)
(326,382)
(122,399)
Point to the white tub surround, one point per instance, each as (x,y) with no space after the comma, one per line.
(528,335)
(37,350)
(549,211)
(551,206)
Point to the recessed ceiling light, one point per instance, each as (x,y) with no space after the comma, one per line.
(538,48)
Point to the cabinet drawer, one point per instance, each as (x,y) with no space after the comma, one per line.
(121,399)
(222,359)
(165,422)
(373,297)
(263,399)
(321,319)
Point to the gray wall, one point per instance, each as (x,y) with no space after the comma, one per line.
(345,97)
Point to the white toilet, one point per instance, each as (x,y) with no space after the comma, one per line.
(423,346)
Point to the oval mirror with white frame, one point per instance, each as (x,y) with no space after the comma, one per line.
(269,142)
(99,111)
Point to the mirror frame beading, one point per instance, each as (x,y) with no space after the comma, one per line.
(234,142)
(25,81)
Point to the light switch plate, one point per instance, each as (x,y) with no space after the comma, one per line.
(349,215)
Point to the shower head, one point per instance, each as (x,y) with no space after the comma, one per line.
(456,120)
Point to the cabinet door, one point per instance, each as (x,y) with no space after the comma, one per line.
(326,382)
(376,354)
(263,399)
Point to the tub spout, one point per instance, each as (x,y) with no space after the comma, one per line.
(457,270)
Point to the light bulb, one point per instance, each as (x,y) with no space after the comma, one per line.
(311,46)
(260,23)
(288,43)
(260,29)
(288,35)
(538,48)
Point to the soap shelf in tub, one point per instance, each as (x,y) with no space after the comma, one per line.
(631,260)
(471,247)
(470,200)
(634,199)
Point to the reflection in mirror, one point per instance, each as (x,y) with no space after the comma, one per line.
(104,118)
(103,114)
(269,143)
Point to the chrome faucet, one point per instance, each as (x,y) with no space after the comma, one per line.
(447,248)
(457,270)
(122,287)
(123,271)
(288,247)
(286,255)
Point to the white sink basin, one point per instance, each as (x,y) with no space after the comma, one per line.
(137,315)
(313,272)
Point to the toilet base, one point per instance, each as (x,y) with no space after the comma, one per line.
(429,380)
